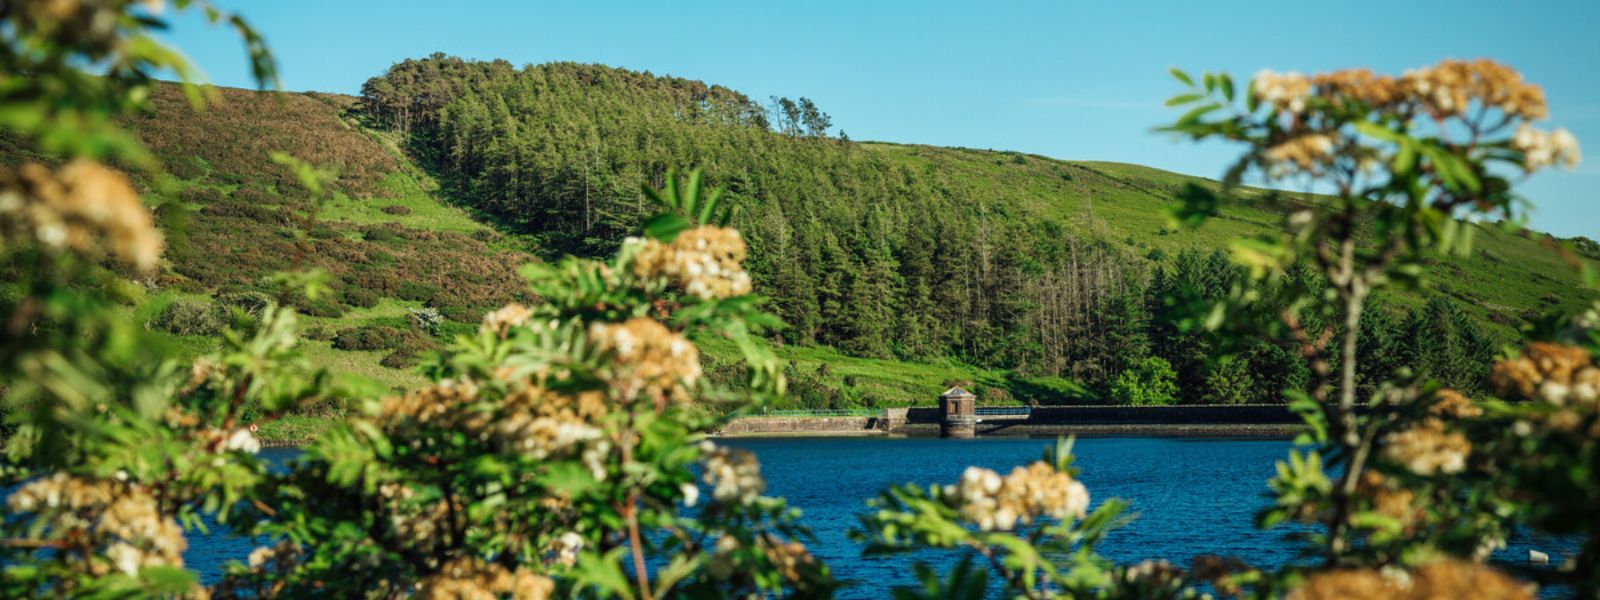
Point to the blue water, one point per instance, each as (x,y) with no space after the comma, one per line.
(1192,496)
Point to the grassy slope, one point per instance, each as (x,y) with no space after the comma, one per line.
(1507,273)
(225,150)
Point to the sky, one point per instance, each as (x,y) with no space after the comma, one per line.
(1070,80)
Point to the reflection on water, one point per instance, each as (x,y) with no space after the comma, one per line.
(1191,496)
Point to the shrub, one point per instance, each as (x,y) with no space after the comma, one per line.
(408,352)
(369,337)
(415,290)
(450,329)
(249,301)
(359,297)
(189,317)
(994,395)
(461,313)
(324,306)
(426,320)
(375,233)
(254,195)
(1149,382)
(201,195)
(398,359)
(188,167)
(323,233)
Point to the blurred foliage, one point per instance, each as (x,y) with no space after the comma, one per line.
(1400,487)
(560,447)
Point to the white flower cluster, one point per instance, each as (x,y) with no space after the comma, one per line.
(474,579)
(654,360)
(995,503)
(705,261)
(506,317)
(1542,149)
(122,521)
(1429,447)
(1306,151)
(734,475)
(277,558)
(242,439)
(1284,91)
(1451,87)
(542,424)
(567,547)
(1556,374)
(723,563)
(84,207)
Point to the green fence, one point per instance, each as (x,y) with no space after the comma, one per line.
(844,412)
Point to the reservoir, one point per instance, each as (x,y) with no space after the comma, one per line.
(1192,496)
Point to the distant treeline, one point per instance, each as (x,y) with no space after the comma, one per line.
(858,250)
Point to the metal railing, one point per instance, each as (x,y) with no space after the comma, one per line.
(842,412)
(1003,411)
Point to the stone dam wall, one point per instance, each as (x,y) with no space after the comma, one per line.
(772,426)
(1203,421)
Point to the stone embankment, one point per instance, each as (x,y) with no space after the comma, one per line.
(1265,420)
(758,426)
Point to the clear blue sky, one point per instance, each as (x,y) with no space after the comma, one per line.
(1073,80)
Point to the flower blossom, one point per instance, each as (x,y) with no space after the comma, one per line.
(242,440)
(791,559)
(120,518)
(1428,449)
(83,207)
(277,558)
(567,547)
(1556,374)
(1447,578)
(734,475)
(436,405)
(1361,85)
(474,579)
(1028,493)
(652,359)
(1449,89)
(1395,502)
(1542,149)
(1285,91)
(705,262)
(723,562)
(502,320)
(1305,151)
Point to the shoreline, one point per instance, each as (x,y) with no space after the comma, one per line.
(1083,421)
(1167,430)
(1198,421)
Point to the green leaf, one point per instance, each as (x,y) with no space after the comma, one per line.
(1183,99)
(665,227)
(1371,129)
(1405,159)
(603,573)
(1179,75)
(1193,116)
(689,200)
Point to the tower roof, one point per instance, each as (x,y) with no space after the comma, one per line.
(955,391)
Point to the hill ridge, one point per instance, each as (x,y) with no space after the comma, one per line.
(961,264)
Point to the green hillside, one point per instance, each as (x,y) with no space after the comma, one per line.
(899,267)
